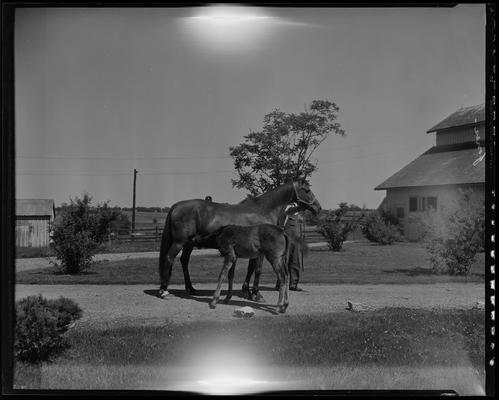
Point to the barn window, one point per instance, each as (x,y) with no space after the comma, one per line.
(431,202)
(413,204)
(400,212)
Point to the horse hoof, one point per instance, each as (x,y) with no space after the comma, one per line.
(258,298)
(226,300)
(192,291)
(163,293)
(282,309)
(212,306)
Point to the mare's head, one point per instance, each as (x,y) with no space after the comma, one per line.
(305,198)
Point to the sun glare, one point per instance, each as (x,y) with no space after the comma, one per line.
(228,28)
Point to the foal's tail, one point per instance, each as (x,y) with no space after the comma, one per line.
(292,239)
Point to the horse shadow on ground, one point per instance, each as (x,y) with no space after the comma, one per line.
(205,296)
(415,271)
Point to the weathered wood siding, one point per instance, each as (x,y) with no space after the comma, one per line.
(459,135)
(32,231)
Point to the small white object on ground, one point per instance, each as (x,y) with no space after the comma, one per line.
(244,312)
(356,306)
(480,305)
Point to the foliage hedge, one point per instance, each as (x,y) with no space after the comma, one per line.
(40,324)
(379,230)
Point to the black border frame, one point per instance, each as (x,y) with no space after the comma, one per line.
(7,174)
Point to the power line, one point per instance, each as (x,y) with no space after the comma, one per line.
(372,154)
(118,173)
(121,158)
(122,173)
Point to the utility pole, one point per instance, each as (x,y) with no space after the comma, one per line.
(133,207)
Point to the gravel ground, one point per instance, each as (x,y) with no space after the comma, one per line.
(106,306)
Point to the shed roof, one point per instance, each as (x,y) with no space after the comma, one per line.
(436,167)
(463,116)
(27,207)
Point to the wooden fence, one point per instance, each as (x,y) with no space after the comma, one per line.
(154,235)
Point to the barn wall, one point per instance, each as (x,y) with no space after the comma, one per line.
(459,135)
(32,231)
(398,198)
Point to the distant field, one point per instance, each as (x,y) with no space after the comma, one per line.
(147,219)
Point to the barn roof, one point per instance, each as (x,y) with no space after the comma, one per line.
(463,116)
(436,167)
(27,207)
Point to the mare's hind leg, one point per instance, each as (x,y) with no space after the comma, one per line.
(229,259)
(251,269)
(184,260)
(255,292)
(165,267)
(231,280)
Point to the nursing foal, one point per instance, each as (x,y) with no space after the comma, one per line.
(258,241)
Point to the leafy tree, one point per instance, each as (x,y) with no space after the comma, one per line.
(281,151)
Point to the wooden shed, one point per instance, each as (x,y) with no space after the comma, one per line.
(33,218)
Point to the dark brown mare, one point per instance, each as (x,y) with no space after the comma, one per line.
(257,241)
(194,218)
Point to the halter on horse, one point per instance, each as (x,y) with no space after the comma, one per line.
(193,218)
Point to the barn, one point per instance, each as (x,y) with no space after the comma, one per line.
(33,218)
(435,178)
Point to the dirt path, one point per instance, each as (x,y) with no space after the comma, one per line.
(138,305)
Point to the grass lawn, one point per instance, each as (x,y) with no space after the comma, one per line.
(358,263)
(392,348)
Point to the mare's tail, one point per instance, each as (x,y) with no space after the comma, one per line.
(166,241)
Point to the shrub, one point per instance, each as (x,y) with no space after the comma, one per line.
(40,324)
(335,228)
(454,235)
(377,229)
(79,231)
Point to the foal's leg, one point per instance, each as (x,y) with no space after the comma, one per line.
(286,286)
(277,266)
(229,259)
(231,280)
(184,260)
(165,267)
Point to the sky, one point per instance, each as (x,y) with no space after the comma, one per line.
(101,91)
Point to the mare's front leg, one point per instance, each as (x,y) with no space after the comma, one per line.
(229,259)
(231,280)
(251,268)
(184,260)
(255,292)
